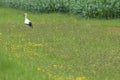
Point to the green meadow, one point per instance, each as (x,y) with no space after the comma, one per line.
(59,47)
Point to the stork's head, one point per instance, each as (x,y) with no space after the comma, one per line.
(25,14)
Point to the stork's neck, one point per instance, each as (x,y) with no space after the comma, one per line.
(25,16)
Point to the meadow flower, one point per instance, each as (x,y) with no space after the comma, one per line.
(78,78)
(54,65)
(81,78)
(59,78)
(39,69)
(37,45)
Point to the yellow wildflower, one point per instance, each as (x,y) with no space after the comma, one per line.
(78,78)
(54,66)
(59,78)
(37,45)
(81,78)
(39,69)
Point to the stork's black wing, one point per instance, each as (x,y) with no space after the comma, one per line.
(30,24)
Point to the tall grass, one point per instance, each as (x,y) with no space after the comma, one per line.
(86,8)
(59,47)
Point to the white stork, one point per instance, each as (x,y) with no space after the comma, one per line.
(27,21)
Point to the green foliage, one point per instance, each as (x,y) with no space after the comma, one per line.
(97,8)
(86,8)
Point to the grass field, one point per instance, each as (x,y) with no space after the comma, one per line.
(59,47)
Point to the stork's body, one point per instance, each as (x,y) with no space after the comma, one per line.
(27,21)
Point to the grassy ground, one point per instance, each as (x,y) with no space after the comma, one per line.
(59,47)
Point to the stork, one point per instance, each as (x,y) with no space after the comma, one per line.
(27,21)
